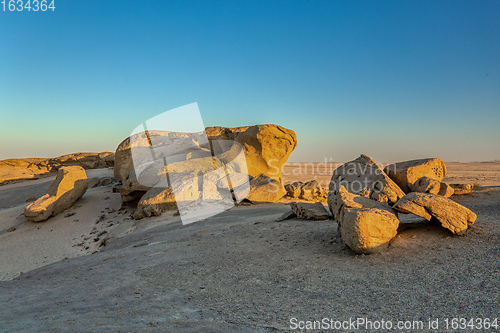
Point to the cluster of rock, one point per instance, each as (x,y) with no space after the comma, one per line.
(162,170)
(29,168)
(310,191)
(365,200)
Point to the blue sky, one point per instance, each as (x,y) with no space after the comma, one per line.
(395,80)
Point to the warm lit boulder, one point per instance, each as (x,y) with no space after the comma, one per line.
(69,185)
(405,174)
(363,177)
(365,225)
(450,214)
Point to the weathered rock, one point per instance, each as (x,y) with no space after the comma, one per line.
(364,177)
(148,146)
(365,225)
(30,168)
(450,214)
(164,197)
(406,173)
(293,190)
(263,189)
(266,147)
(460,189)
(69,185)
(312,191)
(445,190)
(310,211)
(426,185)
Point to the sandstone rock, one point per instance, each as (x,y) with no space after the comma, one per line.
(69,185)
(446,190)
(426,185)
(406,173)
(151,146)
(364,177)
(365,225)
(450,214)
(29,168)
(263,189)
(266,147)
(293,190)
(310,211)
(184,190)
(312,190)
(460,189)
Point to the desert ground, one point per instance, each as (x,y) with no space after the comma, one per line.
(93,268)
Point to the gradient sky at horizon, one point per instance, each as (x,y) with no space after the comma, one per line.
(395,80)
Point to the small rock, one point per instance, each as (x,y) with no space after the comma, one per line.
(460,189)
(310,211)
(286,216)
(11,229)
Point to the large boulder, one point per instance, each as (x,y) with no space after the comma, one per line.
(365,225)
(69,185)
(266,147)
(30,168)
(364,177)
(450,214)
(405,174)
(150,146)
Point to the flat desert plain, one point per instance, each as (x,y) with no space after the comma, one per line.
(93,268)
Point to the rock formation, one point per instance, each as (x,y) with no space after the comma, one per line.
(426,185)
(405,174)
(364,177)
(264,189)
(446,190)
(365,225)
(450,214)
(266,147)
(460,189)
(69,185)
(311,191)
(310,211)
(222,160)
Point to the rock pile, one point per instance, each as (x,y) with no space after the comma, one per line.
(310,191)
(162,170)
(361,195)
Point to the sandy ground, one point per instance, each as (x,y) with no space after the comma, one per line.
(239,271)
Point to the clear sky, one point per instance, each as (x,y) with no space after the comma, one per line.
(395,80)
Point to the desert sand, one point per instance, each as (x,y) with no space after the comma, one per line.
(93,268)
